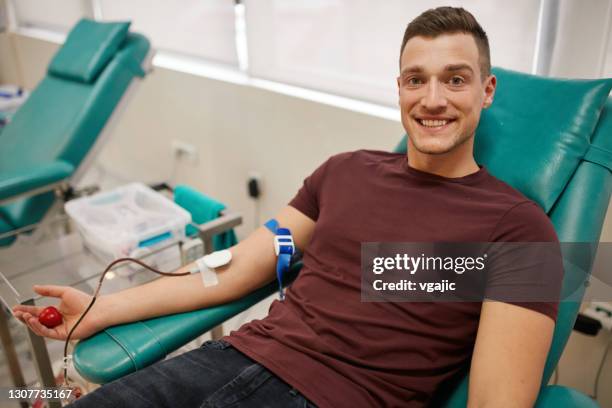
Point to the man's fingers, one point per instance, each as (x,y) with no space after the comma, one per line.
(31,324)
(29,321)
(39,329)
(42,330)
(49,290)
(29,316)
(33,310)
(19,316)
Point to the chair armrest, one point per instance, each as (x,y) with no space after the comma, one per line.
(121,350)
(558,396)
(37,179)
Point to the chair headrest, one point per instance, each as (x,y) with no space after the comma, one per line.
(90,45)
(538,130)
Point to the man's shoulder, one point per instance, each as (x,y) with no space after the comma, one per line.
(510,194)
(522,219)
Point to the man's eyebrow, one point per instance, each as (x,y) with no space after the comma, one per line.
(416,69)
(458,67)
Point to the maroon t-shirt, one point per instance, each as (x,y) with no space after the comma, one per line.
(341,352)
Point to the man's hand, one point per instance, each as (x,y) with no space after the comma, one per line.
(72,304)
(509,356)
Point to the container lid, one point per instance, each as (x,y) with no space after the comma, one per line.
(130,213)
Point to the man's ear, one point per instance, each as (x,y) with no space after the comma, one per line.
(489,90)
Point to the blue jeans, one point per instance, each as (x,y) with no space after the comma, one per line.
(214,375)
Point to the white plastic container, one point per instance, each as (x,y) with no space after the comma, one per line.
(127,221)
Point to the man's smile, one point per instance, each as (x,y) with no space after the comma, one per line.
(434,124)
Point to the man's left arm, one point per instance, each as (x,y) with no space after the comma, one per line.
(509,356)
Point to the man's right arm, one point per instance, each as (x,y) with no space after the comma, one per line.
(253,265)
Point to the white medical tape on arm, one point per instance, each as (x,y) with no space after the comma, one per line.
(207,264)
(209,276)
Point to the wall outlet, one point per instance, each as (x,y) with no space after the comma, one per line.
(182,149)
(601,311)
(254,184)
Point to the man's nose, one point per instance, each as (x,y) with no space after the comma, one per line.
(434,97)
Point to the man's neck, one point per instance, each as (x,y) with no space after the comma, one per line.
(452,165)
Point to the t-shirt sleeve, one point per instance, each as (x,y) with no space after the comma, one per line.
(526,267)
(307,199)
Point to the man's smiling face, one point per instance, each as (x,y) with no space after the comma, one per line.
(441,92)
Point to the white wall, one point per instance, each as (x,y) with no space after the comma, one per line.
(237,129)
(581,46)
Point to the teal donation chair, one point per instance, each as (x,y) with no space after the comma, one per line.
(51,139)
(549,138)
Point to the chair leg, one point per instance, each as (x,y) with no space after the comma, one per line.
(11,355)
(217,332)
(42,362)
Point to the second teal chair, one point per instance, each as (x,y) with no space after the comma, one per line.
(50,136)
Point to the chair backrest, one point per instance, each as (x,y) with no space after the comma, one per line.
(564,164)
(65,114)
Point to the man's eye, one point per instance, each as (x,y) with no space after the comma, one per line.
(414,81)
(457,80)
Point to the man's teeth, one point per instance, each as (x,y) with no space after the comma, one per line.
(433,123)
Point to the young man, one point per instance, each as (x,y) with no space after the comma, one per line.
(322,345)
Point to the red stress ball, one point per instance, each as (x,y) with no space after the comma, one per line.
(50,317)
